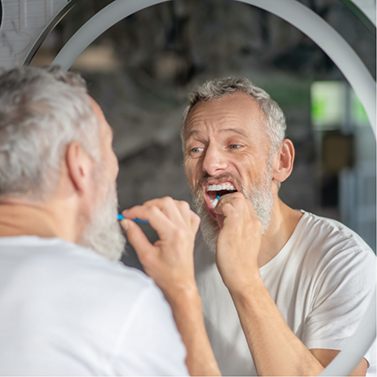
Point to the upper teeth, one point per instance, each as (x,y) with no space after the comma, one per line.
(226,186)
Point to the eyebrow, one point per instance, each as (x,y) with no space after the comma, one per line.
(234,130)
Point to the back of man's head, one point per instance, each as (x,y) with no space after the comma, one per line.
(41,111)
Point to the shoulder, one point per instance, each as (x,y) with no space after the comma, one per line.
(324,227)
(331,254)
(326,239)
(54,264)
(80,283)
(101,306)
(335,258)
(100,274)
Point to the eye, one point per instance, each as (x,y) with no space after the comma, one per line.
(196,150)
(234,146)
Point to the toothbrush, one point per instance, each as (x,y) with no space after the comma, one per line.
(121,217)
(216,201)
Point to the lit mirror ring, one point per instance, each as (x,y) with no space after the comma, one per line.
(46,31)
(291,11)
(326,38)
(1,13)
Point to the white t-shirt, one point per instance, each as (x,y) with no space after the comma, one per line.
(65,310)
(321,281)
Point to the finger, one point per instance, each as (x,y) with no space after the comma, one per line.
(220,220)
(184,208)
(195,222)
(157,219)
(242,205)
(186,213)
(178,211)
(190,217)
(236,201)
(137,239)
(229,212)
(234,217)
(168,206)
(229,198)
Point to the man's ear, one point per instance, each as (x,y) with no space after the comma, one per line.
(79,166)
(283,161)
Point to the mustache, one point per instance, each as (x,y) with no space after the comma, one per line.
(221,177)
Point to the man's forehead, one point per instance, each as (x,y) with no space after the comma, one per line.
(236,112)
(196,131)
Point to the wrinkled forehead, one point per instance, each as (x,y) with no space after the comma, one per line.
(237,111)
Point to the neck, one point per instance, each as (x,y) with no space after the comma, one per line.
(22,217)
(283,223)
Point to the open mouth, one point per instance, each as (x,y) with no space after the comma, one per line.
(216,191)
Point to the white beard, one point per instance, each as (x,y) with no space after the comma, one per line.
(260,196)
(104,234)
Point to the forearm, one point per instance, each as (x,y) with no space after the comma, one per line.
(273,346)
(187,311)
(169,262)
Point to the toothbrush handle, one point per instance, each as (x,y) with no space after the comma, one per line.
(140,221)
(121,217)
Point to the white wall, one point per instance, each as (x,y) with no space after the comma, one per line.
(23,22)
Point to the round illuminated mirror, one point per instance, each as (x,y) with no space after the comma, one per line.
(144,59)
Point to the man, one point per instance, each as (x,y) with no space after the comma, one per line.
(67,306)
(285,286)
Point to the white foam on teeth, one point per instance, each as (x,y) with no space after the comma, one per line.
(228,186)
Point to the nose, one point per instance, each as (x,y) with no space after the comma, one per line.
(214,161)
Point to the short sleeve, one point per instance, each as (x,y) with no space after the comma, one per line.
(150,343)
(342,295)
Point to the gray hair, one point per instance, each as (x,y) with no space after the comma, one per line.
(41,111)
(219,88)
